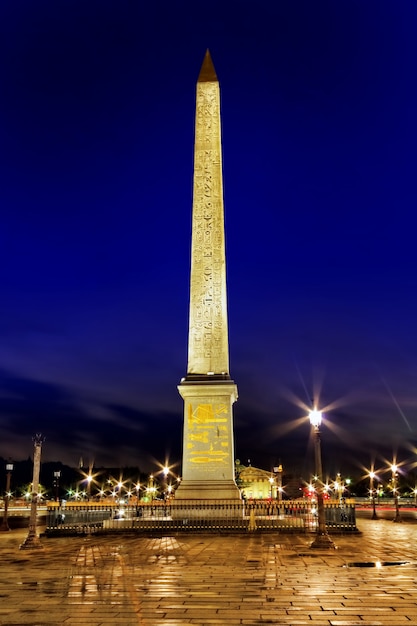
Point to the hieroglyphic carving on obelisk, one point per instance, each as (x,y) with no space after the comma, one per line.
(207,390)
(208,349)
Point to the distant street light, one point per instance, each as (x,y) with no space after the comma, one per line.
(57,476)
(394,469)
(151,489)
(32,540)
(89,480)
(279,482)
(165,472)
(339,487)
(372,475)
(322,539)
(5,524)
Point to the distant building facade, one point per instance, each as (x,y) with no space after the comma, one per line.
(258,484)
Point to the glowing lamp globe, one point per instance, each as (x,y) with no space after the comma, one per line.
(315,418)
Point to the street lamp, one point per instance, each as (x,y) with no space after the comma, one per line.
(165,472)
(57,476)
(5,524)
(89,480)
(394,469)
(339,487)
(32,540)
(322,539)
(151,490)
(372,475)
(278,471)
(271,487)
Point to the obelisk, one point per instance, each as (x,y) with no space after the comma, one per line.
(207,389)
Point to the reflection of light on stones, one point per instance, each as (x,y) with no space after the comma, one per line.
(163,558)
(164,547)
(105,585)
(165,543)
(85,587)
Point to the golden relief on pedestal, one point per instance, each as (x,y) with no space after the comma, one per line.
(208,432)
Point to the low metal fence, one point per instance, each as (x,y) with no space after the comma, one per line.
(193,516)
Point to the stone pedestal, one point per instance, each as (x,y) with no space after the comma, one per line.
(32,542)
(208,450)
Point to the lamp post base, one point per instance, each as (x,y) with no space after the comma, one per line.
(32,542)
(397,517)
(322,541)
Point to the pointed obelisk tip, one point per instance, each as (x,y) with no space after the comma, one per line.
(207,72)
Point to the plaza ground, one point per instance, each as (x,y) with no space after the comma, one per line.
(252,579)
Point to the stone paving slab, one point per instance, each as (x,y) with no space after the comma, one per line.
(206,580)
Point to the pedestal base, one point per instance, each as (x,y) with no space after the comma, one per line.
(207,511)
(322,541)
(32,542)
(208,490)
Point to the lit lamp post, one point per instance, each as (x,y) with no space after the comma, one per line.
(271,484)
(322,539)
(57,476)
(32,540)
(339,487)
(165,472)
(151,490)
(348,481)
(279,481)
(336,489)
(5,524)
(89,479)
(397,517)
(372,475)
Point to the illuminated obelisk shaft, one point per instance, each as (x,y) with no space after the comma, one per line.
(207,390)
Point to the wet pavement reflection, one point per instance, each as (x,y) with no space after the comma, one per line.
(212,579)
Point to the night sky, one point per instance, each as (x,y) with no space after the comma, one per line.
(97,103)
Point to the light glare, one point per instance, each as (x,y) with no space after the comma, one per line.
(315,418)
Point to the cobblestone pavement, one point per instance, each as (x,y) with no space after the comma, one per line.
(210,579)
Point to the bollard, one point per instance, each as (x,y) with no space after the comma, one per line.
(252,522)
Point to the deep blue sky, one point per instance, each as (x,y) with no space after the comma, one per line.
(319,103)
